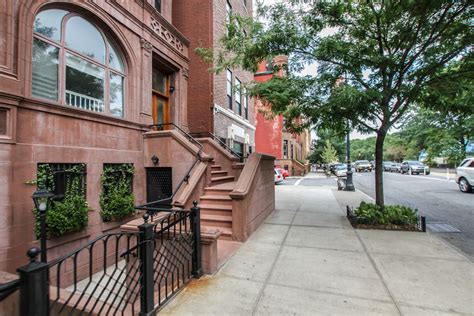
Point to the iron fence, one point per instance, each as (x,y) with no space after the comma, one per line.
(132,273)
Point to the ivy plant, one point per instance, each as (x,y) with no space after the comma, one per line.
(116,198)
(69,213)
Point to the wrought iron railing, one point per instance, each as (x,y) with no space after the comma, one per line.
(128,273)
(162,126)
(240,156)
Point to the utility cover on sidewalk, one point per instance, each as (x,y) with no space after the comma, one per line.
(442,228)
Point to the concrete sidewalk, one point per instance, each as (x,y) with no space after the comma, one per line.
(307,260)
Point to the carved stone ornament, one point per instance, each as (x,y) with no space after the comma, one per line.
(162,32)
(185,72)
(146,45)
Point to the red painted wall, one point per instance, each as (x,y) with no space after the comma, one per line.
(268,133)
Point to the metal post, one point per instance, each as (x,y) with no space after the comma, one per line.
(145,242)
(42,218)
(34,286)
(349,183)
(196,229)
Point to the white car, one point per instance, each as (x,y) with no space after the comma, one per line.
(465,175)
(341,171)
(278,177)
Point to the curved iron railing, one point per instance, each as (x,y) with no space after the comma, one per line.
(220,142)
(8,288)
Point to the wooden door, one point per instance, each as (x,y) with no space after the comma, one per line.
(161,110)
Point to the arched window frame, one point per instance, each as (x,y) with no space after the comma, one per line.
(63,49)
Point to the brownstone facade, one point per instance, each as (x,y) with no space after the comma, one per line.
(35,129)
(209,110)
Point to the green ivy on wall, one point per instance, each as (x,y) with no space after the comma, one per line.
(116,198)
(68,213)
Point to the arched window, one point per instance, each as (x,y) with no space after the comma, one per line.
(76,64)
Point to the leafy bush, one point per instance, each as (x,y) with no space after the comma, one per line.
(116,198)
(67,214)
(391,214)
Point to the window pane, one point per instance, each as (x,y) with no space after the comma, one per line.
(161,111)
(158,5)
(237,90)
(114,60)
(116,95)
(3,121)
(48,23)
(45,70)
(159,81)
(84,84)
(83,37)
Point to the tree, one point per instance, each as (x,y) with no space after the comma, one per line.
(373,65)
(324,135)
(329,153)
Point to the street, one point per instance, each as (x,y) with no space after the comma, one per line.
(434,197)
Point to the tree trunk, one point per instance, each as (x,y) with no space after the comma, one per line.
(379,197)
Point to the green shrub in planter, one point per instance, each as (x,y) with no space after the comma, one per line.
(391,214)
(116,198)
(69,213)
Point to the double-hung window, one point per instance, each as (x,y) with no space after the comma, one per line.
(75,63)
(158,5)
(238,96)
(229,89)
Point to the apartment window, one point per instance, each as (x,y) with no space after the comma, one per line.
(245,101)
(62,176)
(285,148)
(75,63)
(269,65)
(158,5)
(3,121)
(238,96)
(292,152)
(238,147)
(229,89)
(245,3)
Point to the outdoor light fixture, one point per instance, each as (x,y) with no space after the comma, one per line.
(155,160)
(42,199)
(171,89)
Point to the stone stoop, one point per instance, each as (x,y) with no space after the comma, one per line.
(216,207)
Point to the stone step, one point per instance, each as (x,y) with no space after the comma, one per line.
(218,180)
(216,209)
(216,199)
(226,231)
(216,220)
(219,173)
(216,167)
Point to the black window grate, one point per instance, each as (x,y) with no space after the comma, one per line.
(159,183)
(61,175)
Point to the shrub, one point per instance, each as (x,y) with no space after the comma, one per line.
(116,198)
(69,213)
(391,214)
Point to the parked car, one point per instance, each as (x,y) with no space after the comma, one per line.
(283,172)
(333,166)
(395,167)
(386,165)
(278,176)
(362,165)
(414,167)
(465,175)
(341,171)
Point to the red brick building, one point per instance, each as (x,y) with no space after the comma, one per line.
(217,102)
(290,150)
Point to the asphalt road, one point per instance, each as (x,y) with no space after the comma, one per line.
(435,197)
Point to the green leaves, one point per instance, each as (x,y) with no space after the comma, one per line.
(390,214)
(116,198)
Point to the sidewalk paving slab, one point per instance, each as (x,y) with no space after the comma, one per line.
(307,260)
(283,300)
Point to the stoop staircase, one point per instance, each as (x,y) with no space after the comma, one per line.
(216,204)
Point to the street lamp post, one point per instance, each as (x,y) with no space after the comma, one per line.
(349,184)
(42,199)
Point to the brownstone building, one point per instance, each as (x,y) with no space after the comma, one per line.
(81,84)
(218,103)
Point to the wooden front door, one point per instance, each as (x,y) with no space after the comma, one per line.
(161,98)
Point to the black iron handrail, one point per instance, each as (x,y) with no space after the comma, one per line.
(220,142)
(8,288)
(160,127)
(148,206)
